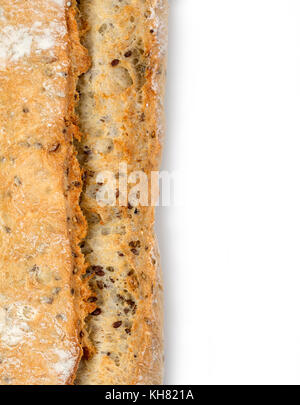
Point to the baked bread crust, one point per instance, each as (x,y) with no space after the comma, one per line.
(42,297)
(121,117)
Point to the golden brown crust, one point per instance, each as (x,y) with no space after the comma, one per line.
(121,116)
(40,182)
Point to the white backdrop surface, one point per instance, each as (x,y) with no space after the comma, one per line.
(231,249)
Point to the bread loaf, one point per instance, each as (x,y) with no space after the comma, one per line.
(121,118)
(51,310)
(42,297)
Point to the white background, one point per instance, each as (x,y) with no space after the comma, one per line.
(231,251)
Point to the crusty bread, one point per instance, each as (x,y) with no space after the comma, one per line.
(121,118)
(42,297)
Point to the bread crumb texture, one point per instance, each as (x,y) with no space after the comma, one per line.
(41,225)
(121,118)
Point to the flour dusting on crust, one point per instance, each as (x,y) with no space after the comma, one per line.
(59,2)
(65,363)
(14,325)
(19,41)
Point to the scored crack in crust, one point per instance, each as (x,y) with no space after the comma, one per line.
(42,297)
(121,118)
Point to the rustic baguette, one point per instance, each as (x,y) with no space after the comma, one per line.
(42,297)
(121,118)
